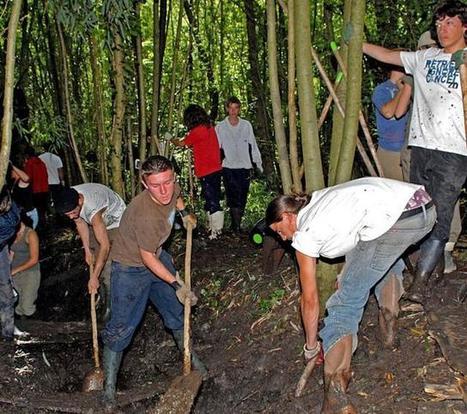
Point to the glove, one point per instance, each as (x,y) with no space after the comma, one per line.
(183,292)
(316,352)
(189,218)
(347,33)
(459,57)
(407,80)
(260,169)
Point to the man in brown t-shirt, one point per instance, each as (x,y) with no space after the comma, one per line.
(142,270)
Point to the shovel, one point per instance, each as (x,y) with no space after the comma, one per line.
(179,398)
(94,379)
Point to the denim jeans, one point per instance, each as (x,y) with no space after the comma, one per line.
(211,190)
(7,301)
(367,264)
(131,287)
(237,184)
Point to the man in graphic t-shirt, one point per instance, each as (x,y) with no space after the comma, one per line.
(437,130)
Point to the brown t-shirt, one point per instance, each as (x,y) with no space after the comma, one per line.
(146,225)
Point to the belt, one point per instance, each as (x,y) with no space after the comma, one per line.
(414,211)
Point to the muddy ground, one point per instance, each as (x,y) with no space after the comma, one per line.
(247,330)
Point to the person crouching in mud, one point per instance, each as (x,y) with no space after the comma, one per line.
(371,221)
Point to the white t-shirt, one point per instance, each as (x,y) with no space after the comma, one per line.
(337,218)
(53,163)
(437,115)
(98,197)
(236,141)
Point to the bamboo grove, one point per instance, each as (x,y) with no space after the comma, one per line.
(106,81)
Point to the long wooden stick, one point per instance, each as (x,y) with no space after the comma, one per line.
(328,83)
(361,118)
(305,375)
(463,76)
(95,344)
(186,322)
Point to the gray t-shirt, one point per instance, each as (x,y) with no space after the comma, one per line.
(98,197)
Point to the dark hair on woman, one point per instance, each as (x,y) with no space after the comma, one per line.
(5,200)
(450,8)
(25,219)
(194,116)
(287,203)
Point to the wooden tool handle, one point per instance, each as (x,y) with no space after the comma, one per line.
(95,344)
(187,304)
(463,77)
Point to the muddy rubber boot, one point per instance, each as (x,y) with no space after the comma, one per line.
(449,263)
(111,365)
(337,376)
(387,327)
(195,361)
(389,310)
(430,254)
(236,216)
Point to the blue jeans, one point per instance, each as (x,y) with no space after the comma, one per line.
(7,300)
(211,189)
(130,289)
(367,264)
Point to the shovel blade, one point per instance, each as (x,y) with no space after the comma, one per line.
(94,380)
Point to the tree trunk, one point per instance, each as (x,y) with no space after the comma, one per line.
(279,129)
(8,90)
(156,81)
(99,109)
(69,117)
(173,81)
(293,145)
(262,120)
(141,88)
(309,122)
(119,113)
(131,159)
(353,94)
(205,60)
(337,118)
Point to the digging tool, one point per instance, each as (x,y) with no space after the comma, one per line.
(463,77)
(94,379)
(307,372)
(179,398)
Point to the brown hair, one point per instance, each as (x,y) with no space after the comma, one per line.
(287,203)
(154,165)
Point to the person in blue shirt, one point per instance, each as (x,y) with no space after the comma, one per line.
(390,103)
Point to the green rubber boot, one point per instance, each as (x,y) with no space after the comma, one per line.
(111,364)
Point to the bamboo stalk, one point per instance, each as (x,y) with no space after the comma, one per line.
(361,118)
(328,83)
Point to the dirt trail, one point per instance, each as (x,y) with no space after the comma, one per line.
(246,329)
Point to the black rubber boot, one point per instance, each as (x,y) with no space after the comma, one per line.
(196,362)
(111,364)
(236,216)
(430,263)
